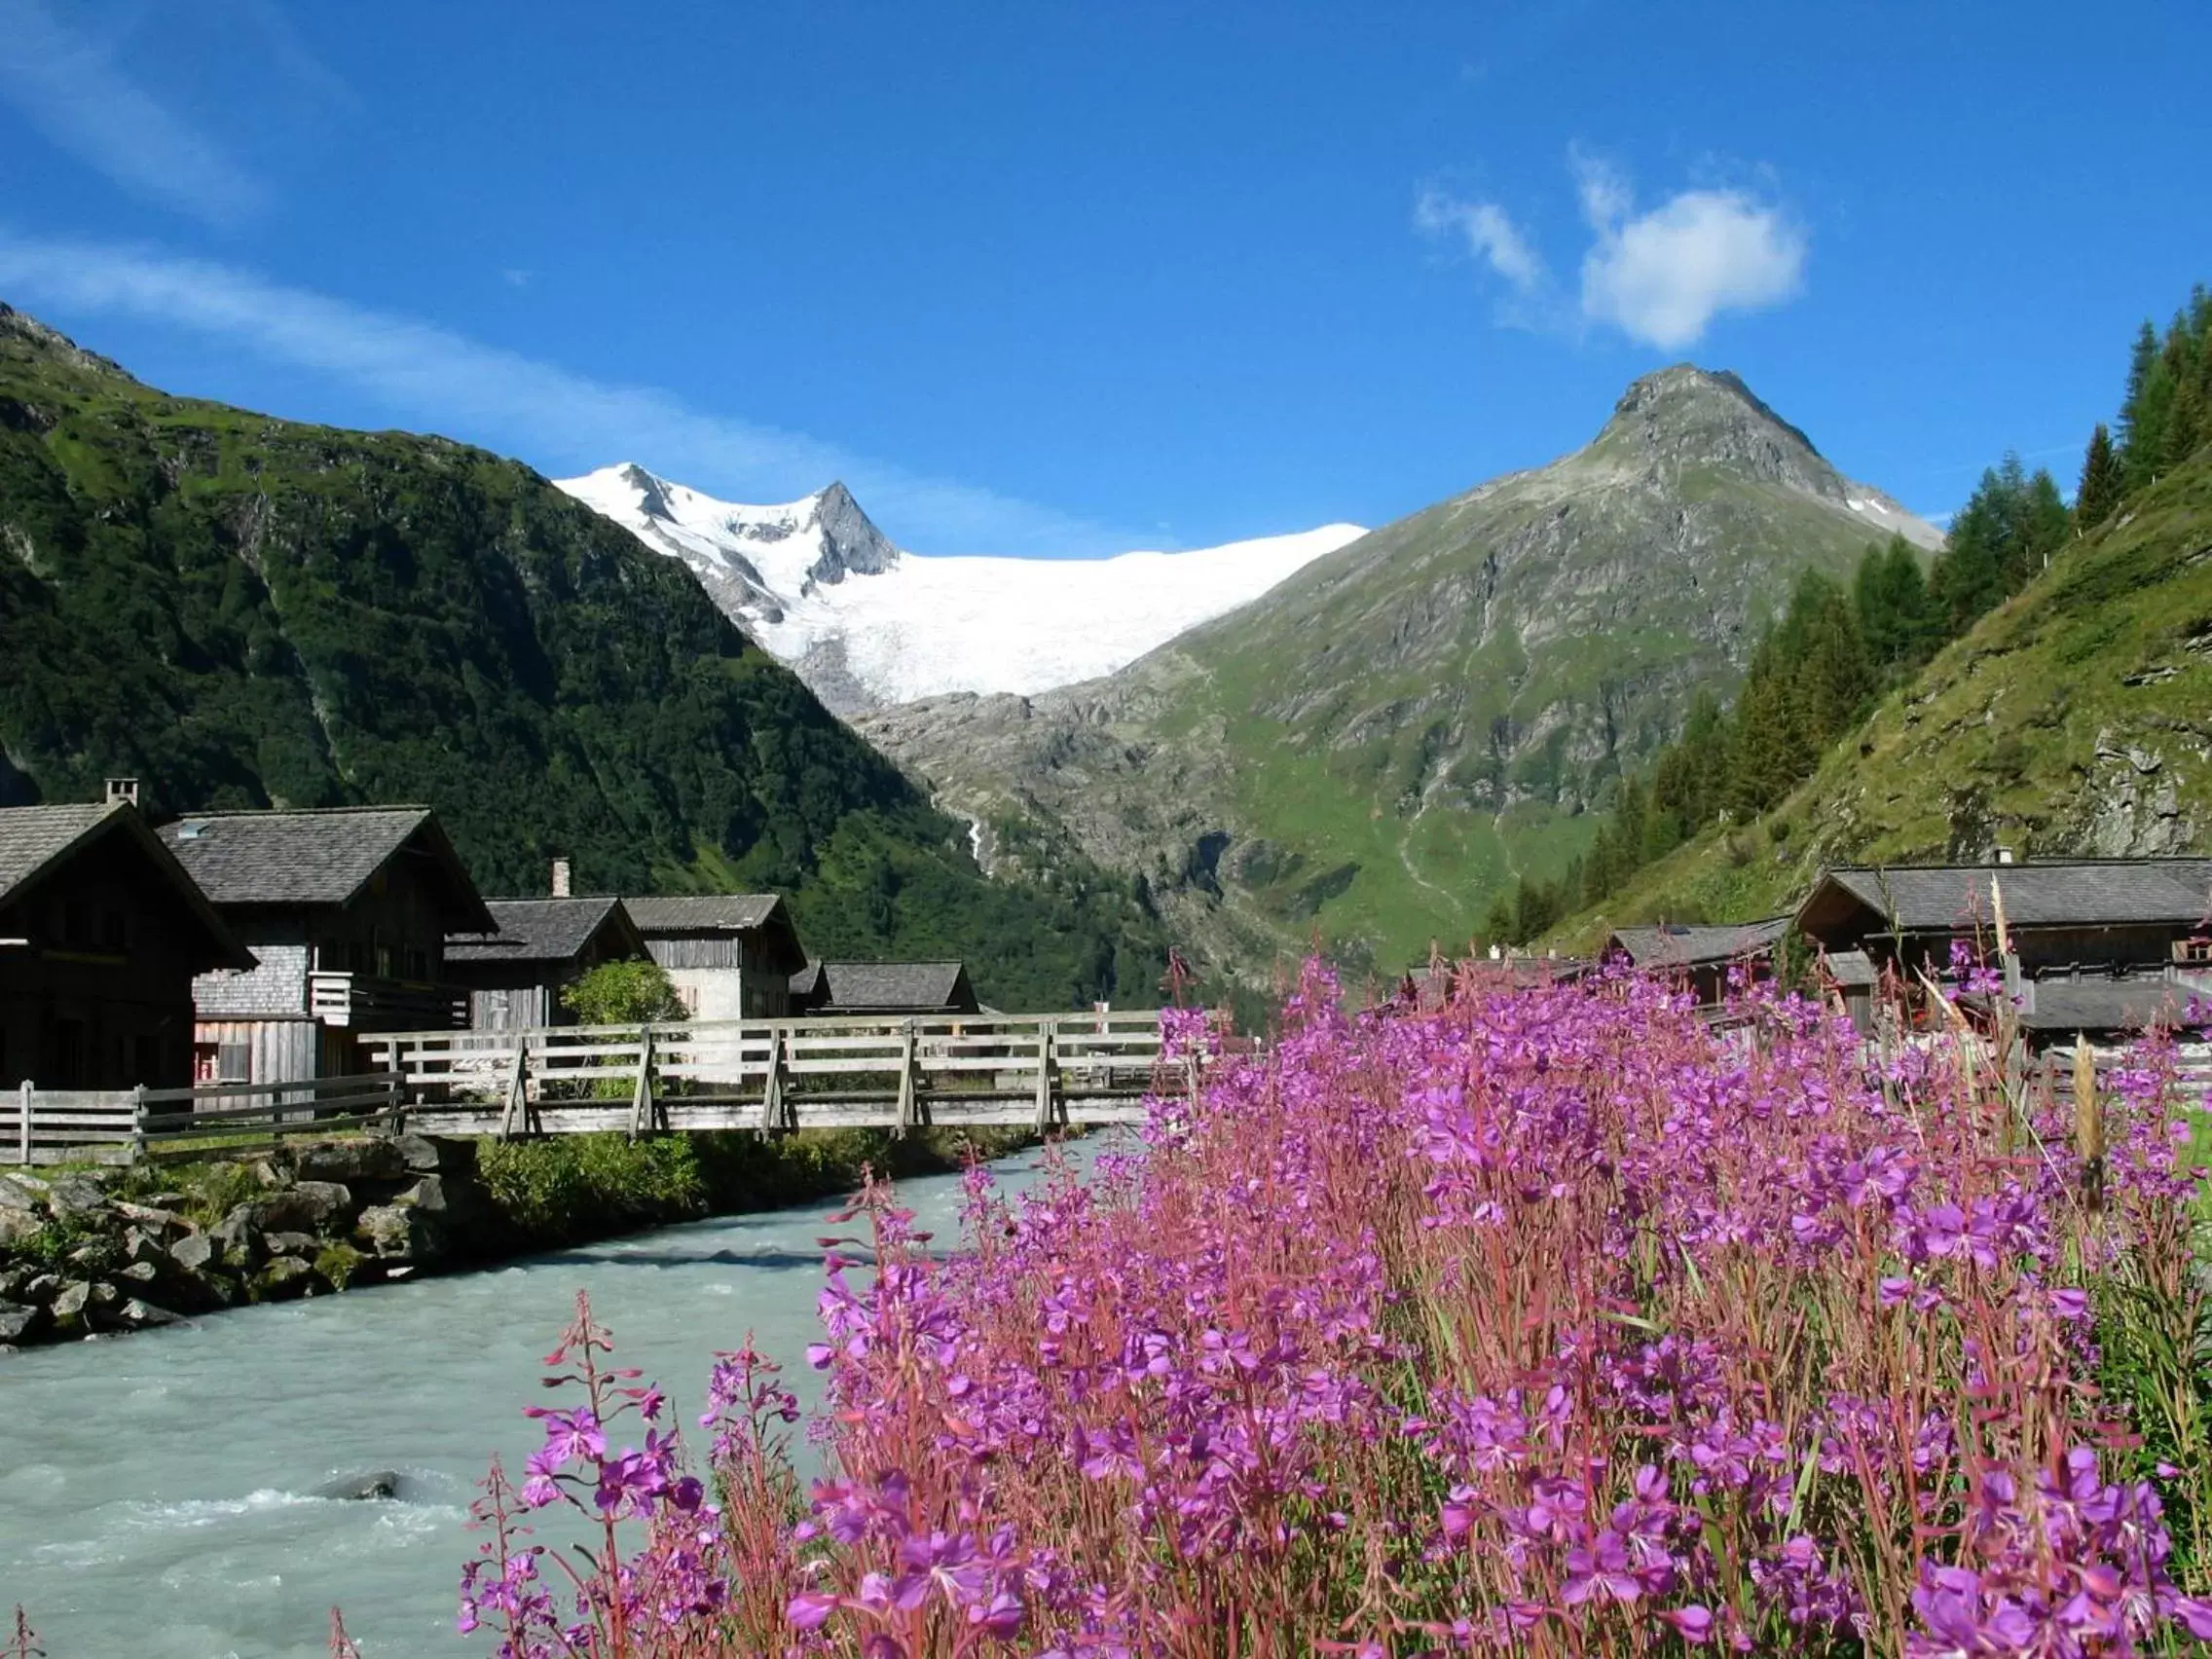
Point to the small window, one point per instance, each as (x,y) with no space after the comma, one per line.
(233,1063)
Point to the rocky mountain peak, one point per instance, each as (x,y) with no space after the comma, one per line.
(1683,415)
(652,493)
(21,327)
(851,545)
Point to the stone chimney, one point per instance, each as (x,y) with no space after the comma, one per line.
(560,878)
(122,792)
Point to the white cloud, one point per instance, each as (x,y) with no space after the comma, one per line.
(565,422)
(1490,236)
(1662,277)
(70,88)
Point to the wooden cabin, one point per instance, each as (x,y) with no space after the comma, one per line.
(2104,946)
(514,974)
(729,956)
(346,912)
(102,934)
(898,988)
(1700,955)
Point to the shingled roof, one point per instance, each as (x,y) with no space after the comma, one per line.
(2103,1004)
(1679,945)
(535,929)
(37,840)
(2069,893)
(884,988)
(317,857)
(716,912)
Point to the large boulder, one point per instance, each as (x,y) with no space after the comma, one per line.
(235,1236)
(193,1252)
(69,1302)
(286,1276)
(372,1157)
(75,1196)
(310,1206)
(436,1154)
(24,1191)
(155,1218)
(17,1321)
(18,1225)
(402,1233)
(141,1315)
(289,1243)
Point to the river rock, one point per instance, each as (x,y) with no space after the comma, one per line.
(307,1207)
(193,1252)
(419,1153)
(143,1244)
(155,1217)
(26,1192)
(139,1272)
(400,1232)
(76,1195)
(371,1158)
(427,1194)
(235,1236)
(43,1288)
(375,1487)
(70,1300)
(143,1316)
(284,1275)
(17,1321)
(98,1255)
(18,1225)
(289,1243)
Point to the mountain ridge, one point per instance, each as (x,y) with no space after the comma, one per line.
(243,611)
(1370,749)
(868,625)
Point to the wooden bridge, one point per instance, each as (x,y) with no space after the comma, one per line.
(1044,1070)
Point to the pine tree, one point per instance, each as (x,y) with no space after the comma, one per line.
(1767,750)
(2040,526)
(2148,418)
(1897,618)
(2100,488)
(2139,365)
(1970,578)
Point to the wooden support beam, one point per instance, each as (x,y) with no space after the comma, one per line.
(912,1113)
(774,1113)
(1050,1112)
(518,1089)
(641,1098)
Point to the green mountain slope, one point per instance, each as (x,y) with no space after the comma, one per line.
(1371,751)
(2076,719)
(242,611)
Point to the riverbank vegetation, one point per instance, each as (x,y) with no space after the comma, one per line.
(1550,1322)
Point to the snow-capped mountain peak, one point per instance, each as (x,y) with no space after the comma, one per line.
(868,625)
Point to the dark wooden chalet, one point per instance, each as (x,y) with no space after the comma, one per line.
(514,974)
(730,956)
(2104,946)
(346,913)
(883,987)
(102,933)
(1700,955)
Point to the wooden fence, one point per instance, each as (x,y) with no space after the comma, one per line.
(1042,1070)
(52,1125)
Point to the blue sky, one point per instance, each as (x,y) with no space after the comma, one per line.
(1051,278)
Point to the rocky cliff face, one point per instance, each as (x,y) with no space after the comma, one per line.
(1369,750)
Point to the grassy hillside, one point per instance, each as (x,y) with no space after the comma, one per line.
(245,612)
(2076,719)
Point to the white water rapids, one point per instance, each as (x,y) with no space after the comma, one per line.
(156,1490)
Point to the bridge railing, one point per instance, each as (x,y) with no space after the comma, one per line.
(899,1072)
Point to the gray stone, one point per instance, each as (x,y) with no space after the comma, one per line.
(157,1217)
(140,1272)
(307,1207)
(289,1243)
(43,1287)
(419,1153)
(105,1294)
(76,1195)
(235,1236)
(143,1316)
(69,1302)
(377,1486)
(193,1252)
(401,1232)
(169,1200)
(139,1245)
(427,1194)
(22,1191)
(286,1275)
(17,1321)
(99,1255)
(18,1225)
(369,1159)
